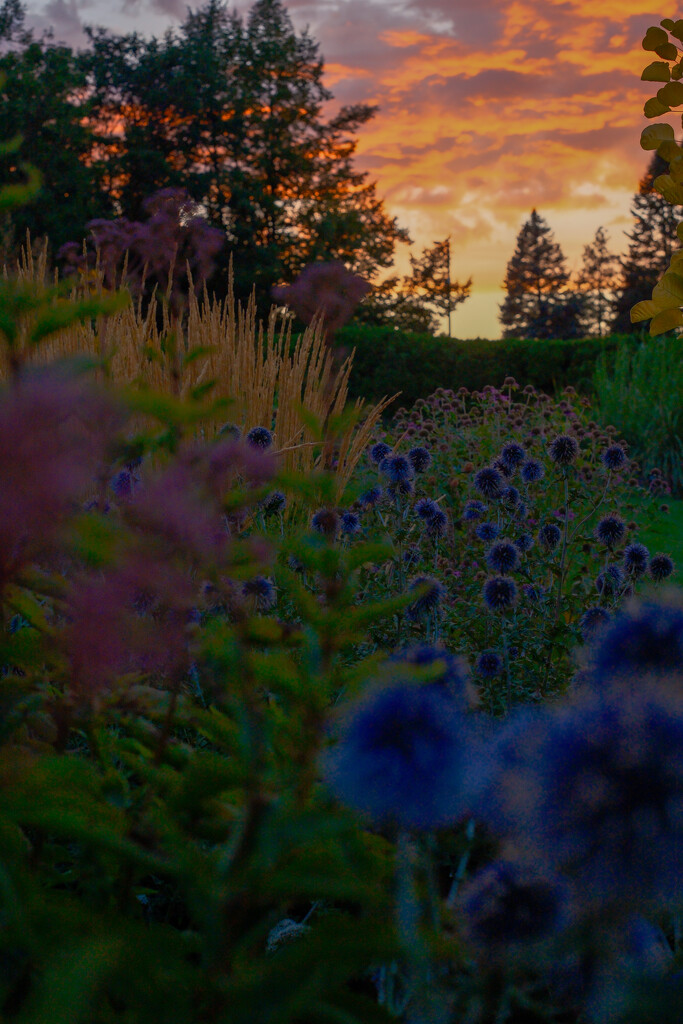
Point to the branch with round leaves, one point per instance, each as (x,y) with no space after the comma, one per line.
(664,308)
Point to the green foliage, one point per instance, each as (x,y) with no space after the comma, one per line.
(640,390)
(596,281)
(387,361)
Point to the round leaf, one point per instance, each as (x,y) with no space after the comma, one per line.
(653,108)
(667,23)
(643,311)
(658,71)
(677,30)
(654,37)
(677,71)
(666,321)
(671,94)
(668,294)
(667,50)
(651,136)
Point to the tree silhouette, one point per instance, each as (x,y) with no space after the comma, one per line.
(431,280)
(537,303)
(596,281)
(652,242)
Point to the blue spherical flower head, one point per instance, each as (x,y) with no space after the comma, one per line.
(533,593)
(420,458)
(524,543)
(593,620)
(397,469)
(509,904)
(512,455)
(371,498)
(350,524)
(230,430)
(606,806)
(489,664)
(487,532)
(327,522)
(610,530)
(563,450)
(260,437)
(502,556)
(401,489)
(500,593)
(489,482)
(428,602)
(609,581)
(379,452)
(635,560)
(273,503)
(262,590)
(400,757)
(645,638)
(448,672)
(425,508)
(613,457)
(473,510)
(532,471)
(510,497)
(437,524)
(549,536)
(661,567)
(123,484)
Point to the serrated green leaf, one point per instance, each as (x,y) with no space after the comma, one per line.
(665,321)
(658,71)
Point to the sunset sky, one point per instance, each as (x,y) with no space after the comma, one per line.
(486,109)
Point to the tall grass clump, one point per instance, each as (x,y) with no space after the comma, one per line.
(640,391)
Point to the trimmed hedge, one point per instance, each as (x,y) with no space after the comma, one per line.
(387,361)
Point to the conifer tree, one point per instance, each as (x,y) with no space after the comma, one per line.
(538,304)
(431,279)
(596,281)
(651,244)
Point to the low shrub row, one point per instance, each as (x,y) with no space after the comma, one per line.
(387,361)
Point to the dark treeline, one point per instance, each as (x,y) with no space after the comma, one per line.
(231,109)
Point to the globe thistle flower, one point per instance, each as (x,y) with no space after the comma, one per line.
(563,450)
(401,756)
(532,471)
(489,482)
(429,601)
(473,510)
(512,454)
(452,678)
(549,536)
(350,524)
(610,530)
(509,904)
(510,497)
(295,564)
(609,581)
(435,526)
(123,484)
(397,468)
(230,430)
(533,593)
(420,458)
(487,532)
(371,498)
(524,542)
(592,620)
(379,452)
(645,638)
(489,664)
(601,799)
(273,503)
(504,468)
(326,521)
(402,488)
(263,590)
(425,508)
(502,556)
(500,593)
(260,437)
(635,560)
(660,567)
(613,457)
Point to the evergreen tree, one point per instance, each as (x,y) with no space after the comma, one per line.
(431,278)
(596,281)
(538,304)
(652,242)
(392,303)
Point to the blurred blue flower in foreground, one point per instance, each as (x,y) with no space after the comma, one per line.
(401,755)
(452,672)
(647,637)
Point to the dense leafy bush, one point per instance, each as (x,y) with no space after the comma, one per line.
(388,361)
(640,391)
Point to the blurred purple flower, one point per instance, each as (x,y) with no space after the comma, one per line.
(324,287)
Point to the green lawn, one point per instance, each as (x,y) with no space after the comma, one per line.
(666,534)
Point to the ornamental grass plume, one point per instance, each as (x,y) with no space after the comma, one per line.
(401,756)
